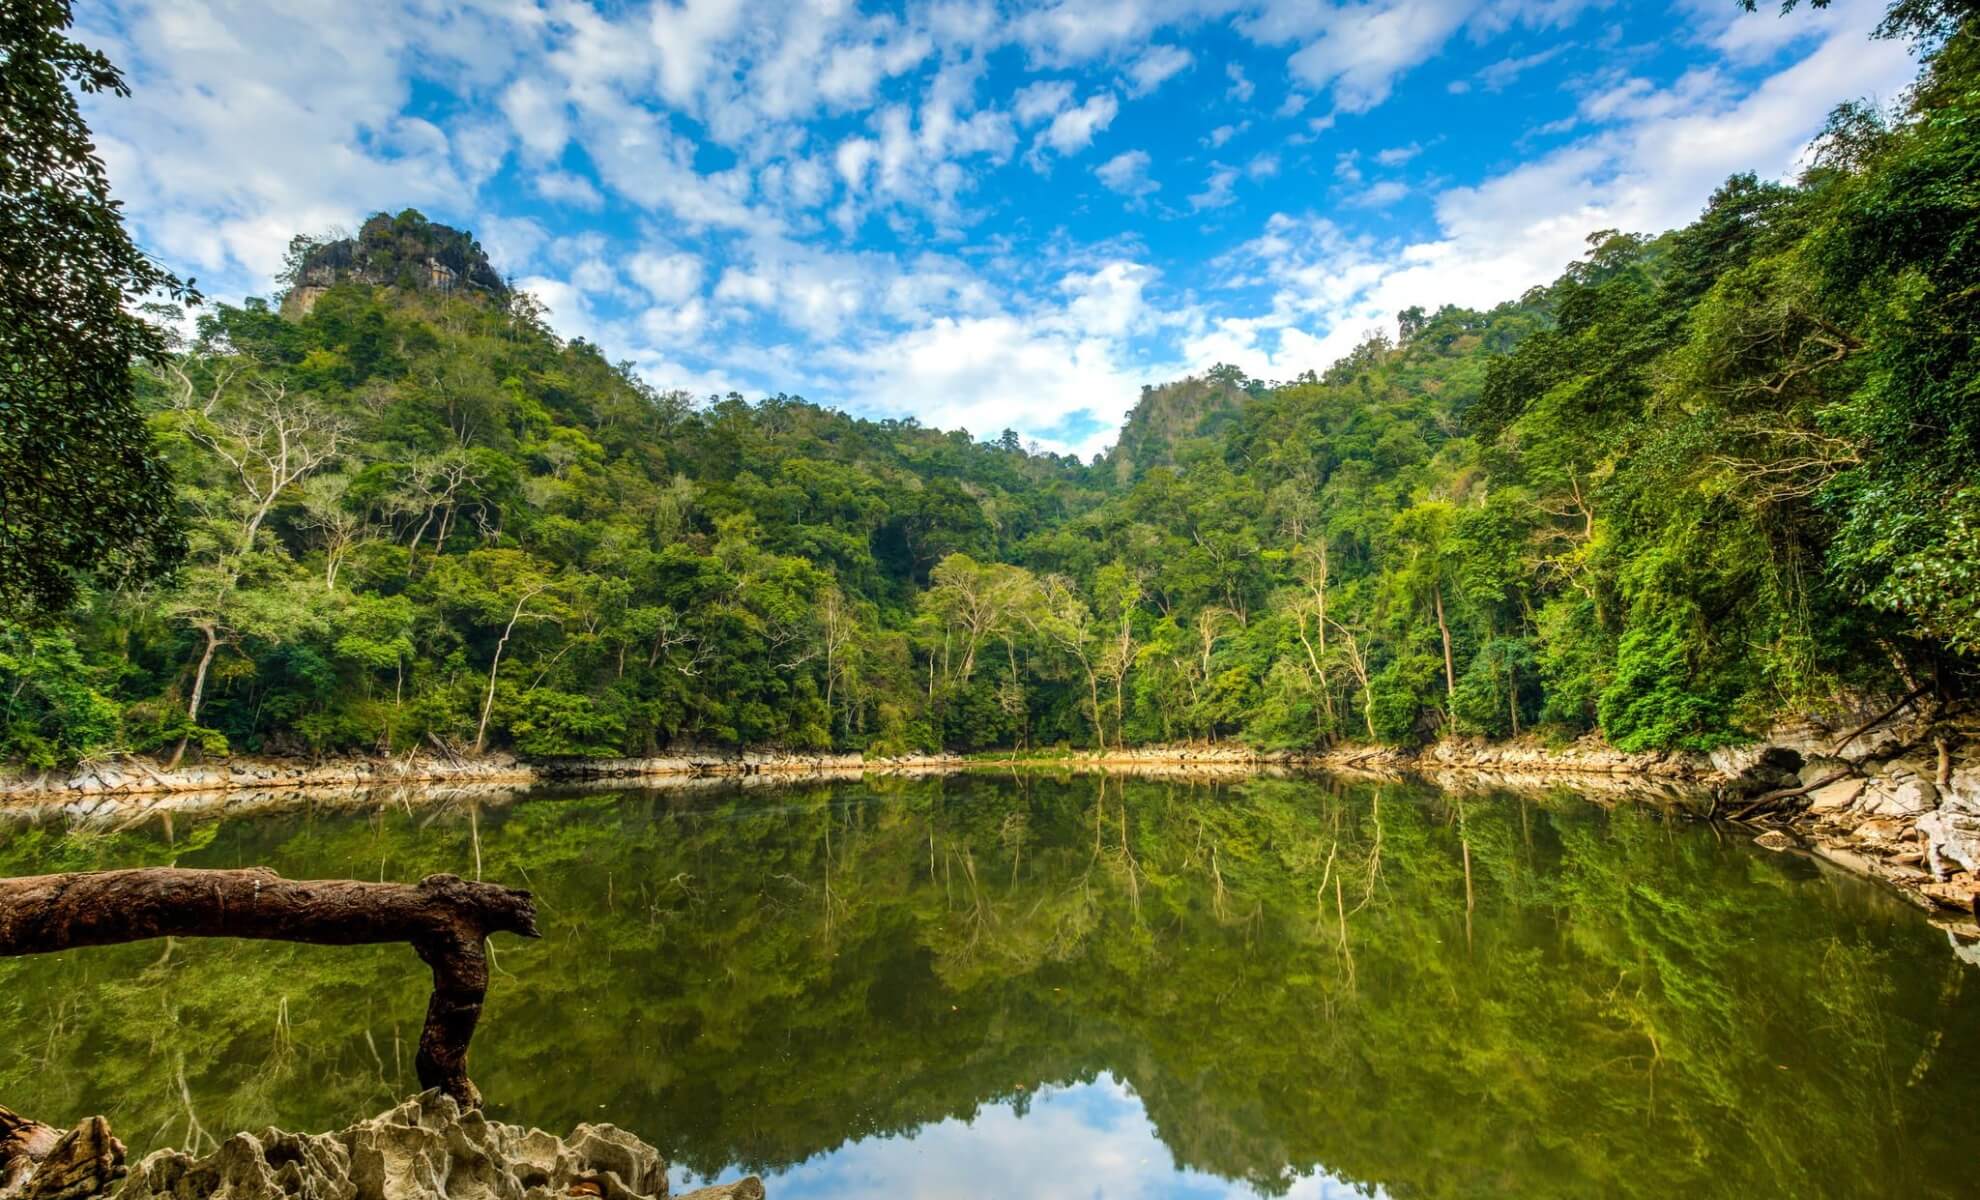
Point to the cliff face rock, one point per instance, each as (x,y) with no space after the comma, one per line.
(405,251)
(425,1149)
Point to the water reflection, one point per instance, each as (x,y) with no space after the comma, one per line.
(1038,986)
(1087,1140)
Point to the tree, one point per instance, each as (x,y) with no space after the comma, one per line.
(82,490)
(1921,20)
(502,589)
(269,442)
(1058,614)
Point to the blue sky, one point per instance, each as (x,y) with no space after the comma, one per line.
(1089,1140)
(981,215)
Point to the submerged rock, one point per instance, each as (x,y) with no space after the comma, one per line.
(425,1149)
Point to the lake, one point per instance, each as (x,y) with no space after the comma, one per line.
(1069,985)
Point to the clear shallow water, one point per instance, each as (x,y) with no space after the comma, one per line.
(994,986)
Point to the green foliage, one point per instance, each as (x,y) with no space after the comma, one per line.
(53,711)
(1701,479)
(81,487)
(1654,700)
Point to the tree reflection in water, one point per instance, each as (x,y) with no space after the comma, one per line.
(1298,986)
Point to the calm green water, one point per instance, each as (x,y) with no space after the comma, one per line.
(988,986)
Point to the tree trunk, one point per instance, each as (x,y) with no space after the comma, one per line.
(198,692)
(1443,627)
(446,919)
(1093,694)
(488,702)
(1512,697)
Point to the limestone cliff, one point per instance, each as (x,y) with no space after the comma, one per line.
(404,251)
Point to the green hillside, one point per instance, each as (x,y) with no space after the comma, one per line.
(1702,479)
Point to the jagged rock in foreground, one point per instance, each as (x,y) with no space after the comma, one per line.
(425,1149)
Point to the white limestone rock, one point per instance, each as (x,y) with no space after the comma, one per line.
(425,1149)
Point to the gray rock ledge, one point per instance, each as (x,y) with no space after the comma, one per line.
(425,1149)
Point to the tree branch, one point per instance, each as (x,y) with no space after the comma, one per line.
(446,920)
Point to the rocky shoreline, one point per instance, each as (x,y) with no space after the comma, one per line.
(427,1148)
(1897,799)
(133,775)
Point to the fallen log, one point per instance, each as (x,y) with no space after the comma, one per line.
(1772,798)
(446,919)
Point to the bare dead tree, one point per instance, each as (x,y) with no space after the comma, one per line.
(271,442)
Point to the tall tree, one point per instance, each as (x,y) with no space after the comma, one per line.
(81,489)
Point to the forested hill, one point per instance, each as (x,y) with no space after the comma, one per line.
(1702,479)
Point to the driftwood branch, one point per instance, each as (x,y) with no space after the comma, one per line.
(1773,798)
(1880,718)
(446,919)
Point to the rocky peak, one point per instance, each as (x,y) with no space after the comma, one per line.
(404,251)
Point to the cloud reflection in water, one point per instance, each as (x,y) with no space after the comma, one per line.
(1090,1141)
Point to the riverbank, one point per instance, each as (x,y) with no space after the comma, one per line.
(136,776)
(1896,799)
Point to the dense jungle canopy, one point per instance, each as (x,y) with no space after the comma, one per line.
(1702,479)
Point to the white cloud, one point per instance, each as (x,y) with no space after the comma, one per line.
(1156,67)
(568,308)
(1035,102)
(537,114)
(1363,49)
(1058,32)
(1127,174)
(564,187)
(1396,156)
(1241,88)
(1105,302)
(1499,75)
(1380,195)
(511,242)
(668,278)
(852,158)
(684,37)
(1224,133)
(1218,190)
(1073,129)
(988,373)
(1360,49)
